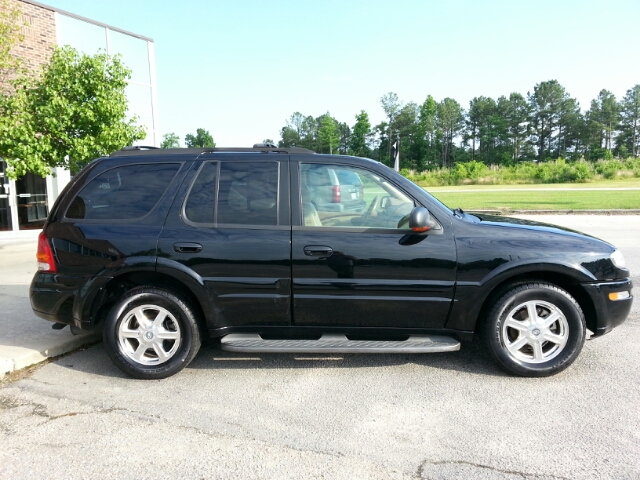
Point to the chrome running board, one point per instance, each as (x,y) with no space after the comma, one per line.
(332,343)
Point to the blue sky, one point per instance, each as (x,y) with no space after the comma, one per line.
(240,68)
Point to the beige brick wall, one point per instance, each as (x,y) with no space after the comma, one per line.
(39,33)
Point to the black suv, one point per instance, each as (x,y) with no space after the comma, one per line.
(158,248)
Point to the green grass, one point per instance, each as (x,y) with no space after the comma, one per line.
(476,199)
(626,183)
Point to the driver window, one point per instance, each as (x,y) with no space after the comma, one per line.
(343,196)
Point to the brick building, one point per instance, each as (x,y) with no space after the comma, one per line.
(24,203)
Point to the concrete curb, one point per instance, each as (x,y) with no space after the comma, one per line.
(25,357)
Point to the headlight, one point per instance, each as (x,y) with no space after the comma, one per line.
(618,259)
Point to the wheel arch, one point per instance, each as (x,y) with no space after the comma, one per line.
(563,280)
(473,299)
(117,286)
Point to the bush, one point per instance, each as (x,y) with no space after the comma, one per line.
(608,168)
(556,171)
(583,171)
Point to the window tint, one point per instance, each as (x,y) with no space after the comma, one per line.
(248,193)
(123,193)
(348,177)
(359,198)
(201,202)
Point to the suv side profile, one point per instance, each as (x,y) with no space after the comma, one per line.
(157,249)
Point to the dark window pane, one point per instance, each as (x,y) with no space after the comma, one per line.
(248,193)
(200,204)
(123,193)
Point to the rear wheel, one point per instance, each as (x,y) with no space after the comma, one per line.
(535,330)
(152,333)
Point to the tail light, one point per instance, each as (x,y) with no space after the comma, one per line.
(335,194)
(46,263)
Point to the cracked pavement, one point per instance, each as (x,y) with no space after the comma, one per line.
(231,415)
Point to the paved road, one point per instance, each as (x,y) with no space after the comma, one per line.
(283,416)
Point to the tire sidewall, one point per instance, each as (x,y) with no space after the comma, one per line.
(542,292)
(189,340)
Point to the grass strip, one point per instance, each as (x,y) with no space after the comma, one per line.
(543,200)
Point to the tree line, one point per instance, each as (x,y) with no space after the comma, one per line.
(546,124)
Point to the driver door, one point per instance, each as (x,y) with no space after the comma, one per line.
(356,263)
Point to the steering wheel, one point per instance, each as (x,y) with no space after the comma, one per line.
(370,210)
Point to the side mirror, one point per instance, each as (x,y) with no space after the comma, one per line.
(420,220)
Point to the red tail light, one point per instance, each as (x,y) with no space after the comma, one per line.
(46,263)
(335,194)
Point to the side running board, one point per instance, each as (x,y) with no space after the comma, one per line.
(332,343)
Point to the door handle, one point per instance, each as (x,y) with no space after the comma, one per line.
(317,251)
(187,247)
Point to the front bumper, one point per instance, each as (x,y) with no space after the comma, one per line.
(609,313)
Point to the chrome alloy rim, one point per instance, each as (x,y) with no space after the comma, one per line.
(149,335)
(535,332)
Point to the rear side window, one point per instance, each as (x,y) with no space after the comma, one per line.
(123,193)
(247,194)
(347,177)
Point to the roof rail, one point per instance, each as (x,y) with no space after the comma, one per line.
(264,145)
(198,151)
(139,147)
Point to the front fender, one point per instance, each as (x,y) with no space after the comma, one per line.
(471,296)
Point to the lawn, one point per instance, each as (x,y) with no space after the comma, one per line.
(626,183)
(527,197)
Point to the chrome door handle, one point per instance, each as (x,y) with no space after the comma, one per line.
(317,251)
(187,247)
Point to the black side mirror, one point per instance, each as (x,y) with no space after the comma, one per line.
(420,220)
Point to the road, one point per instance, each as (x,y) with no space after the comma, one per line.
(282,416)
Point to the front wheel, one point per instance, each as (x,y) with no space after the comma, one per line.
(151,333)
(535,330)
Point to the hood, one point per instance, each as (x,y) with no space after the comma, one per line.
(519,223)
(516,241)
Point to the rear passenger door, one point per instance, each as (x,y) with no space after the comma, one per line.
(230,228)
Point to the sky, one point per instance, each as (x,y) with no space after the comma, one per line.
(241,68)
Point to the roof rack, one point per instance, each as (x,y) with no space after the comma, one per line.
(139,147)
(139,150)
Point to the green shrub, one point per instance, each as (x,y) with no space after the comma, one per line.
(556,171)
(583,171)
(608,168)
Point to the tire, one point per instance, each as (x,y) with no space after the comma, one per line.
(534,349)
(152,333)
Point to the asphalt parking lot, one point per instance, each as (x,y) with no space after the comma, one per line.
(438,416)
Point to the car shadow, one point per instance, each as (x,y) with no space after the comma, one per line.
(471,359)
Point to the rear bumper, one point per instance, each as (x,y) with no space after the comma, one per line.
(609,313)
(61,299)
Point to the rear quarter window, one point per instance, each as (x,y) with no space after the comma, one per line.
(347,177)
(127,192)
